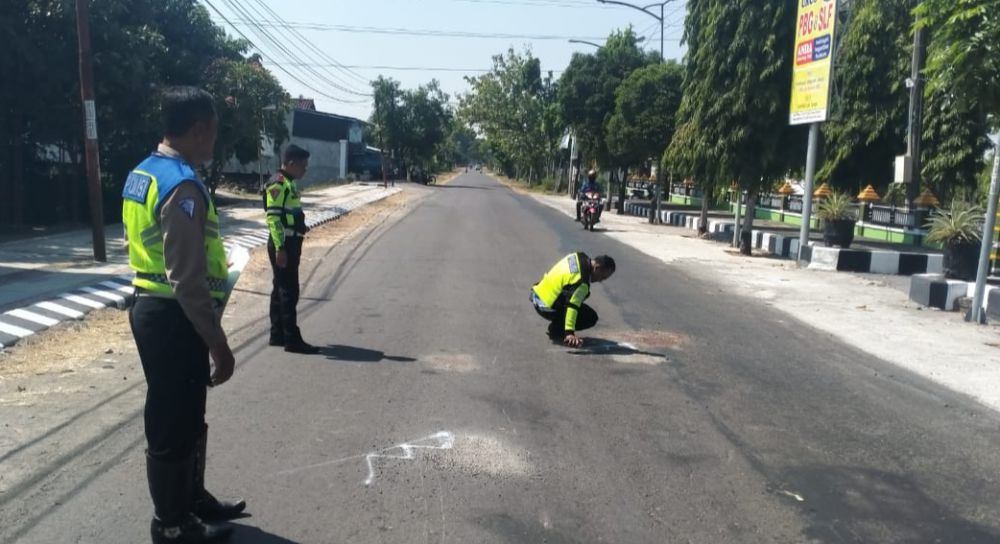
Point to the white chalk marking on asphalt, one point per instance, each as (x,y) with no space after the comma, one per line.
(33,317)
(443,440)
(14,330)
(795,496)
(82,301)
(60,309)
(103,294)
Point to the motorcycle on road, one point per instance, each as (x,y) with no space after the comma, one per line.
(590,209)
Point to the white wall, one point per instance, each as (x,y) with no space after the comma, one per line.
(324,161)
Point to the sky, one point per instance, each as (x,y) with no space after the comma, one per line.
(402,39)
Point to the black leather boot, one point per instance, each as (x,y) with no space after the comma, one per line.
(295,344)
(170,489)
(205,505)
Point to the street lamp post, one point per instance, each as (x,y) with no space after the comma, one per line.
(640,39)
(648,11)
(585,42)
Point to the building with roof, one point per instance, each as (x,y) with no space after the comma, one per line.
(336,144)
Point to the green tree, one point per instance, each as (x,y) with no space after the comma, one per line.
(586,91)
(426,118)
(646,104)
(962,71)
(412,124)
(733,118)
(513,107)
(868,126)
(954,143)
(251,103)
(964,58)
(462,146)
(384,125)
(139,46)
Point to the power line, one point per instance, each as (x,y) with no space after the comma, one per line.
(316,49)
(239,8)
(277,65)
(416,68)
(540,3)
(414,32)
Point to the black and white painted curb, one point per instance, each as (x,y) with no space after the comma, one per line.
(682,219)
(875,262)
(935,291)
(819,258)
(117,291)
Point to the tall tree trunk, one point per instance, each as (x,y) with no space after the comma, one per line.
(746,234)
(703,218)
(17,187)
(738,219)
(620,206)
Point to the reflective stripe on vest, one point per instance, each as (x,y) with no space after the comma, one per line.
(562,279)
(146,188)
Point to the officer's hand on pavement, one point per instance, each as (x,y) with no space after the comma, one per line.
(225,364)
(281,258)
(573,341)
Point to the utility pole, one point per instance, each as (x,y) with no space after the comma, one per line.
(915,133)
(661,31)
(381,145)
(90,131)
(986,243)
(648,11)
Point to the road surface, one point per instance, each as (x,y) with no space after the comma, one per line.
(439,412)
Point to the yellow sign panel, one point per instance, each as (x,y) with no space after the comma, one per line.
(813,61)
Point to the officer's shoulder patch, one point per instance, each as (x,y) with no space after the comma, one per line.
(187,206)
(137,187)
(574,265)
(275,191)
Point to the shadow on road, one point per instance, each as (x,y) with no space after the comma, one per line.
(354,354)
(268,294)
(866,503)
(254,535)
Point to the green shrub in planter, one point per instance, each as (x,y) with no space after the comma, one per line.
(839,215)
(960,231)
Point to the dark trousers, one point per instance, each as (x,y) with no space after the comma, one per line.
(285,291)
(175,363)
(586,317)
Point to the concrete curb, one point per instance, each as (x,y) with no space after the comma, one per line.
(935,291)
(819,257)
(875,262)
(117,291)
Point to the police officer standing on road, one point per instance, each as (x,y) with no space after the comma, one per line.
(175,248)
(287,225)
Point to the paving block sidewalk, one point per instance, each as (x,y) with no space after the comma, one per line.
(52,279)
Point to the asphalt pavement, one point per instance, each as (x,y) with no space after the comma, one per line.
(440,412)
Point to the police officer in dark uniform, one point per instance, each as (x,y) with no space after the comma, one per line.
(287,225)
(175,249)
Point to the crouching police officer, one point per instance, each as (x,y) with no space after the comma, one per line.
(287,225)
(559,295)
(180,266)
